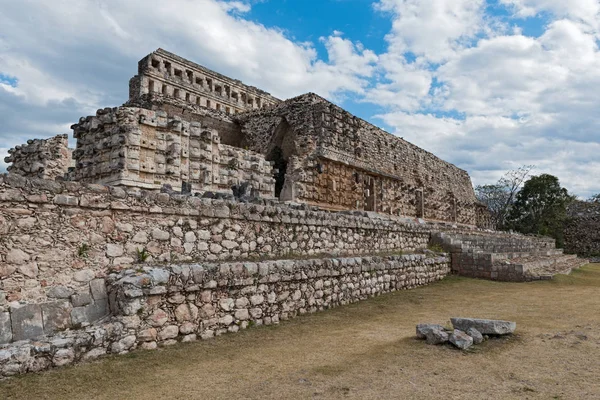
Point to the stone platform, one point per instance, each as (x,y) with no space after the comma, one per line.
(505,256)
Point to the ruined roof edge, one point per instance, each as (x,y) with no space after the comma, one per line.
(321,99)
(165,53)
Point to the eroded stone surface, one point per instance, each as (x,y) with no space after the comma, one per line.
(476,335)
(422,329)
(27,322)
(460,339)
(436,336)
(484,326)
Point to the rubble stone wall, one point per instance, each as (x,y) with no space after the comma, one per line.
(41,158)
(582,229)
(161,305)
(66,234)
(144,148)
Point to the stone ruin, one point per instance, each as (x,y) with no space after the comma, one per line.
(147,149)
(39,158)
(203,206)
(198,131)
(465,332)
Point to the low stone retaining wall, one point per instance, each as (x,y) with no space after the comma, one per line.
(504,256)
(161,305)
(65,234)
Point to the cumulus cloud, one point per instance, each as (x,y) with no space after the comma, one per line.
(433,29)
(585,11)
(500,99)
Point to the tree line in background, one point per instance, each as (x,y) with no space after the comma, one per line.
(528,204)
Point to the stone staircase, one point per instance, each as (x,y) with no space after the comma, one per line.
(505,256)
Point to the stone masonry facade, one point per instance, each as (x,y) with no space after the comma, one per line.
(196,130)
(337,161)
(67,247)
(135,147)
(162,305)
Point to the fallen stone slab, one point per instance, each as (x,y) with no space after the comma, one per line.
(461,340)
(484,326)
(436,336)
(476,335)
(422,329)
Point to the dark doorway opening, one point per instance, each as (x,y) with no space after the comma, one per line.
(280,164)
(279,151)
(369,193)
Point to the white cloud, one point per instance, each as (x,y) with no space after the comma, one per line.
(500,99)
(585,11)
(433,29)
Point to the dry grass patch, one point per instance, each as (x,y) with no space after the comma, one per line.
(368,351)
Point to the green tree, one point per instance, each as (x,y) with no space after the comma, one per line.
(500,196)
(540,207)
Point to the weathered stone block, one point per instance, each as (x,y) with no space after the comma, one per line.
(422,329)
(5,328)
(436,336)
(65,200)
(26,322)
(89,313)
(81,299)
(484,326)
(461,340)
(56,316)
(59,292)
(476,335)
(98,289)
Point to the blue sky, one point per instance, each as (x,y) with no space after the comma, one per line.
(487,85)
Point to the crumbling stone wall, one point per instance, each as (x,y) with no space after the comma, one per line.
(41,158)
(582,229)
(66,246)
(161,305)
(65,234)
(144,148)
(171,76)
(338,161)
(229,131)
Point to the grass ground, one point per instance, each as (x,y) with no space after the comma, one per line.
(368,351)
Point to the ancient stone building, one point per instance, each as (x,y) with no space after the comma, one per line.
(194,129)
(329,158)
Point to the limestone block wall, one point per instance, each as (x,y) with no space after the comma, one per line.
(172,76)
(137,147)
(66,234)
(582,229)
(41,158)
(159,305)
